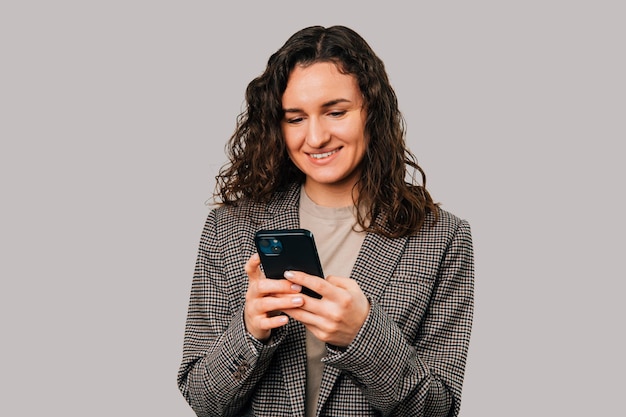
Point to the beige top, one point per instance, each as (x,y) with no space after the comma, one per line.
(338,246)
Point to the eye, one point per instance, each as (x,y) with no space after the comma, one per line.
(294,120)
(337,113)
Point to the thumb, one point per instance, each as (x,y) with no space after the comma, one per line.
(252,267)
(341,282)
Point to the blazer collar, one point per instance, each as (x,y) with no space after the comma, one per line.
(282,210)
(280,213)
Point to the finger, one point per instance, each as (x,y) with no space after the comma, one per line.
(253,267)
(260,326)
(258,310)
(341,282)
(268,305)
(303,316)
(268,323)
(267,286)
(277,286)
(317,284)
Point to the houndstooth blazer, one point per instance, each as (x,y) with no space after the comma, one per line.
(407,360)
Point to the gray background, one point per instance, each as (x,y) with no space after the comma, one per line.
(113,118)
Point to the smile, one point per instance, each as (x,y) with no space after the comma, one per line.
(323,155)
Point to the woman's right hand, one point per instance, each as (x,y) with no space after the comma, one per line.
(265,299)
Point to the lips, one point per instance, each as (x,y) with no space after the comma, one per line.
(324,154)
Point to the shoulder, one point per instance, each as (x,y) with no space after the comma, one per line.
(246,211)
(437,245)
(442,229)
(449,221)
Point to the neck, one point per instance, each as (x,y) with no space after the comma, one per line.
(330,196)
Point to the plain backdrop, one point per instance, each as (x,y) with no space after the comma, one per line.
(113,120)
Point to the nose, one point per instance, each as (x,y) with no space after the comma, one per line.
(317,134)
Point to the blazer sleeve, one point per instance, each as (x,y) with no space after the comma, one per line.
(421,377)
(221,362)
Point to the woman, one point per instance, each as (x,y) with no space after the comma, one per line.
(321,146)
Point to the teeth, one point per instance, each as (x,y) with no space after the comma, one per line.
(322,155)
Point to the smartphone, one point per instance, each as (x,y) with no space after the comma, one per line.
(288,249)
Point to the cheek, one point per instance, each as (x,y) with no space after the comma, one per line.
(291,137)
(353,132)
(354,135)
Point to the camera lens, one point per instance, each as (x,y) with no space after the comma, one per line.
(270,246)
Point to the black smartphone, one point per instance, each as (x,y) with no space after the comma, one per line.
(288,249)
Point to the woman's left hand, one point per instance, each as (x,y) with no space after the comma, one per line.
(337,317)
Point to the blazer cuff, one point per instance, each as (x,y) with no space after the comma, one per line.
(257,347)
(380,346)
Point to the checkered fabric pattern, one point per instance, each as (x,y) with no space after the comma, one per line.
(407,360)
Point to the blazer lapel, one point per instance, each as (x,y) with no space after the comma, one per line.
(280,213)
(329,378)
(372,270)
(376,262)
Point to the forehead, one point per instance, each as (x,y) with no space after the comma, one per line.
(320,81)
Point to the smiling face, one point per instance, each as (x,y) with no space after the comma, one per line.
(324,131)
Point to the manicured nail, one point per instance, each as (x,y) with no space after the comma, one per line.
(296,300)
(296,287)
(288,274)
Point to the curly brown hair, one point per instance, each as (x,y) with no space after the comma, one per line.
(259,164)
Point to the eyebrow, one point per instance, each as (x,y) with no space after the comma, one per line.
(325,105)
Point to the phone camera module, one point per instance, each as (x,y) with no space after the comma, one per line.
(271,246)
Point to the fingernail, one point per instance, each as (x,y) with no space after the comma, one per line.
(296,300)
(289,274)
(296,287)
